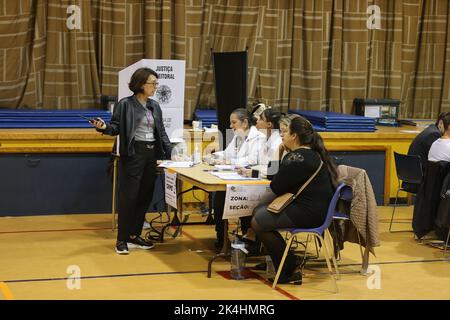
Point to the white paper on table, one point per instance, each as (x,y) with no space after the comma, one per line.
(232,175)
(410,131)
(225,166)
(176,164)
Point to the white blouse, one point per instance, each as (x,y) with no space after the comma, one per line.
(269,152)
(245,153)
(440,150)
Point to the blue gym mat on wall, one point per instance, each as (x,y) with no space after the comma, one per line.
(50,118)
(207,116)
(337,122)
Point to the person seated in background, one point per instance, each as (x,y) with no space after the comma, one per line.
(268,123)
(440,149)
(256,112)
(421,144)
(306,152)
(242,151)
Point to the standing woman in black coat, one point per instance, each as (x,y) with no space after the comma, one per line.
(139,123)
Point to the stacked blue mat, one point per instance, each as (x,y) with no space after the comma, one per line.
(50,119)
(338,122)
(207,116)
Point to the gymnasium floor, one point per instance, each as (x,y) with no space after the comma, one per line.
(39,253)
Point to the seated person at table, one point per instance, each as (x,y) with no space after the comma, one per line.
(305,152)
(440,149)
(422,143)
(268,123)
(242,151)
(256,112)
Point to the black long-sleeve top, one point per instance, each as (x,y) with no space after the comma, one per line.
(295,169)
(422,143)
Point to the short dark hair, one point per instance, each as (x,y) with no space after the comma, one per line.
(139,78)
(440,117)
(446,121)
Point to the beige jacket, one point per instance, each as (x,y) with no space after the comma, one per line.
(363,209)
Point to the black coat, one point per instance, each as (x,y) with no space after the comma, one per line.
(422,143)
(428,198)
(443,212)
(128,113)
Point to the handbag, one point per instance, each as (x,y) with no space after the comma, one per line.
(279,203)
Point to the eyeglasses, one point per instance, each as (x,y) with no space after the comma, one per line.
(153,83)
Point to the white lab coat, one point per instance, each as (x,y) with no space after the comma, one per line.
(269,152)
(248,153)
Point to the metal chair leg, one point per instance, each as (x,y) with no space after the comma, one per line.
(338,257)
(393,211)
(328,258)
(446,243)
(280,267)
(317,247)
(333,258)
(360,246)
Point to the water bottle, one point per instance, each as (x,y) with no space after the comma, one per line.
(270,269)
(234,157)
(238,253)
(180,151)
(197,156)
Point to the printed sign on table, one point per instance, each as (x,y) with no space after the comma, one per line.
(241,199)
(171,188)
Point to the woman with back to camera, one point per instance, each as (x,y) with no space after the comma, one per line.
(139,123)
(305,153)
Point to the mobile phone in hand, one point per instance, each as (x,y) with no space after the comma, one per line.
(86,118)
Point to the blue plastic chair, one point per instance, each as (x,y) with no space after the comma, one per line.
(318,233)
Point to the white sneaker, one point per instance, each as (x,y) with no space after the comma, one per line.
(140,243)
(121,247)
(146,225)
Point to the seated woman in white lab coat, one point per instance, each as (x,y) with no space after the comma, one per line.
(242,151)
(268,123)
(244,148)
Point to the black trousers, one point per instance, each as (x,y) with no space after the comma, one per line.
(137,176)
(266,224)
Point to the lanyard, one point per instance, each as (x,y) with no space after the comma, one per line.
(148,115)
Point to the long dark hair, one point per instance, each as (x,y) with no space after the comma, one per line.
(273,116)
(256,112)
(309,137)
